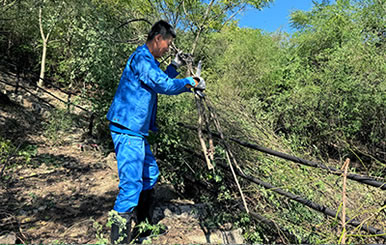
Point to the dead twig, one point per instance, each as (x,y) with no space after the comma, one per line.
(344,201)
(208,119)
(228,153)
(199,131)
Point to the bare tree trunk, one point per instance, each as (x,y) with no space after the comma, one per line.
(44,52)
(43,64)
(9,44)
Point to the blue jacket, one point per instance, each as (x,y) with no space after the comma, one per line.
(135,102)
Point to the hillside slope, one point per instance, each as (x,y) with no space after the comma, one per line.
(61,185)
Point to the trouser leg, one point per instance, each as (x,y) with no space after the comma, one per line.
(149,176)
(130,154)
(138,173)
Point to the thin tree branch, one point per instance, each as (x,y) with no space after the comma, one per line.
(201,27)
(233,15)
(134,20)
(58,18)
(163,10)
(228,152)
(41,25)
(177,15)
(9,6)
(187,15)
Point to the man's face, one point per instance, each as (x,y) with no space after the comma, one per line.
(162,45)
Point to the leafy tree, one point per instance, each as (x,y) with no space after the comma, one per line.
(51,21)
(17,36)
(197,17)
(335,69)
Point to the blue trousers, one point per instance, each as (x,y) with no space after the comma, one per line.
(137,169)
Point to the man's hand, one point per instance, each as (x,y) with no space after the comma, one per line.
(178,61)
(200,83)
(200,86)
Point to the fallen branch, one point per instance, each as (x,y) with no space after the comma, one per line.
(317,207)
(228,152)
(199,131)
(368,180)
(254,215)
(40,99)
(320,208)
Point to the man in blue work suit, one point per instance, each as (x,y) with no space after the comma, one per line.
(132,114)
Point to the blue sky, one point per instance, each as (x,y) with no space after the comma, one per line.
(274,17)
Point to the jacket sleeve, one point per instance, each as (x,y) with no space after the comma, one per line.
(151,75)
(171,71)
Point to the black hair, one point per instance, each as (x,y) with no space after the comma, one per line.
(163,28)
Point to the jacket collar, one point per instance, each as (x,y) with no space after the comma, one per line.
(145,48)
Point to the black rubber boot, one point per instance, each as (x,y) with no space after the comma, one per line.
(145,206)
(121,230)
(145,211)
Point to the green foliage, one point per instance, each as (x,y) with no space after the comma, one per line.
(28,152)
(248,62)
(252,233)
(6,148)
(24,153)
(57,242)
(336,71)
(59,124)
(115,218)
(155,229)
(323,86)
(101,239)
